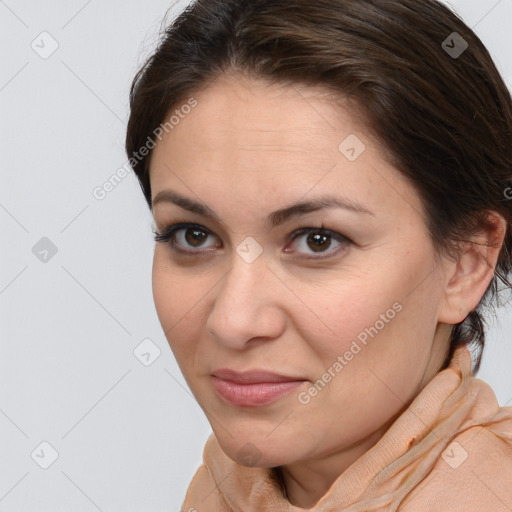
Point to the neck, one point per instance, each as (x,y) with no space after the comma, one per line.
(306,482)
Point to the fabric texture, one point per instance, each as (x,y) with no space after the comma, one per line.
(451,449)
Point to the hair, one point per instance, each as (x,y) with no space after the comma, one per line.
(444,118)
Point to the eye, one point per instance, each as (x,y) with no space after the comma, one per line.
(187,238)
(319,240)
(183,236)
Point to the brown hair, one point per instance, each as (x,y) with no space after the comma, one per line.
(445,118)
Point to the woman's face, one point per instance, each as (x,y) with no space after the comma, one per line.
(350,315)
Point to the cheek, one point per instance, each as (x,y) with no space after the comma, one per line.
(384,322)
(177,301)
(165,292)
(385,346)
(346,310)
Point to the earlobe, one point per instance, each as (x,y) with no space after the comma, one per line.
(469,277)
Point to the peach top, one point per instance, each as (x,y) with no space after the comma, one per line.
(451,449)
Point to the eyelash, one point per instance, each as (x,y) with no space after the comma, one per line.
(166,236)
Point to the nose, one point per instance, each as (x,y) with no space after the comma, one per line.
(247,305)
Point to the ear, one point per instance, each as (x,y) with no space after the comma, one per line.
(468,278)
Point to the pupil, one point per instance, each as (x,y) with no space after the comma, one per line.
(197,237)
(319,241)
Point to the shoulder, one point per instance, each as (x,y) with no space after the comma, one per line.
(201,494)
(472,473)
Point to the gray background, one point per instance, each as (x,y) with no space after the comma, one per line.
(129,437)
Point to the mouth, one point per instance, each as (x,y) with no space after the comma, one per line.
(253,388)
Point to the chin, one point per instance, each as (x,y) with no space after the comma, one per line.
(252,451)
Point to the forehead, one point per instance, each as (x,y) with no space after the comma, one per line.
(256,105)
(251,135)
(237,114)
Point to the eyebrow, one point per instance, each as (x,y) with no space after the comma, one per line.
(275,218)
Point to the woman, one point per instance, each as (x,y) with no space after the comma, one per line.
(328,182)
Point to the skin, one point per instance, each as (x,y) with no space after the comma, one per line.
(250,148)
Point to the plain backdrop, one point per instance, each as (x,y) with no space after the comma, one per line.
(86,424)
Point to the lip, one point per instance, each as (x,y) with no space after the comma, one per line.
(252,388)
(252,376)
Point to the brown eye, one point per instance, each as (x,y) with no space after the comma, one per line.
(184,237)
(189,239)
(319,241)
(195,237)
